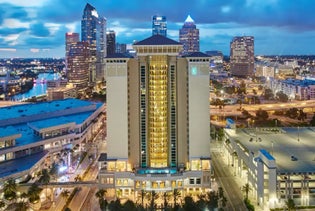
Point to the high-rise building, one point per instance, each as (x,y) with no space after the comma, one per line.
(189,36)
(93,27)
(121,48)
(159,25)
(78,65)
(242,56)
(70,39)
(157,120)
(110,42)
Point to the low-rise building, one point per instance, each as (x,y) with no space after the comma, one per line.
(277,163)
(32,134)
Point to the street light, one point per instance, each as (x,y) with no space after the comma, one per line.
(298,133)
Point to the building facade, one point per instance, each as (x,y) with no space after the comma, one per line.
(93,31)
(189,36)
(159,25)
(78,65)
(70,39)
(277,164)
(110,42)
(158,127)
(242,56)
(31,141)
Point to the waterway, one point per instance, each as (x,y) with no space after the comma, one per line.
(39,88)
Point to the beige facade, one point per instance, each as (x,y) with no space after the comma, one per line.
(157,120)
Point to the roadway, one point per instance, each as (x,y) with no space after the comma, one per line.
(227,181)
(232,110)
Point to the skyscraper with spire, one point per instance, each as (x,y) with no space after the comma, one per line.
(159,25)
(189,36)
(93,31)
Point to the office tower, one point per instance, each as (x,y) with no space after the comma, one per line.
(110,42)
(159,25)
(70,39)
(121,48)
(93,28)
(78,65)
(242,56)
(157,120)
(189,36)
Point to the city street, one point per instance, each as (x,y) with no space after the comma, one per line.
(227,181)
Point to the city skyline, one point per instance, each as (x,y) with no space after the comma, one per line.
(37,28)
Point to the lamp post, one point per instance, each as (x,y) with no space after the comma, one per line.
(298,134)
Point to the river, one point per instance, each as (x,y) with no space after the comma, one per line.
(39,88)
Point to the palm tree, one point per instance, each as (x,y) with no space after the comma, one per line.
(33,193)
(176,194)
(290,204)
(2,205)
(9,189)
(54,170)
(154,196)
(129,205)
(143,193)
(166,197)
(67,209)
(246,189)
(21,206)
(189,204)
(115,205)
(102,202)
(65,194)
(44,179)
(78,178)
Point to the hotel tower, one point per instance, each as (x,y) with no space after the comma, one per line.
(158,136)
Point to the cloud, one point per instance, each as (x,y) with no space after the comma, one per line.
(34,50)
(39,29)
(8,49)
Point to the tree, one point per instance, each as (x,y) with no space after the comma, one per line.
(246,189)
(152,197)
(54,170)
(67,209)
(65,194)
(261,115)
(268,94)
(282,97)
(212,198)
(143,194)
(189,204)
(2,204)
(34,192)
(166,198)
(220,134)
(10,189)
(129,206)
(115,205)
(312,122)
(100,194)
(22,206)
(221,198)
(176,194)
(44,178)
(290,204)
(78,178)
(292,113)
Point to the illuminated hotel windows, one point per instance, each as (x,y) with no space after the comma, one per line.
(158,107)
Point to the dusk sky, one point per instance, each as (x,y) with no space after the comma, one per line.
(36,28)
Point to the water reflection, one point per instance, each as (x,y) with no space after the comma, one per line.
(39,88)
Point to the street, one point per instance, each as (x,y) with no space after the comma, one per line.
(227,181)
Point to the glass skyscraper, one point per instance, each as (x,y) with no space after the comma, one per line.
(159,25)
(93,31)
(189,36)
